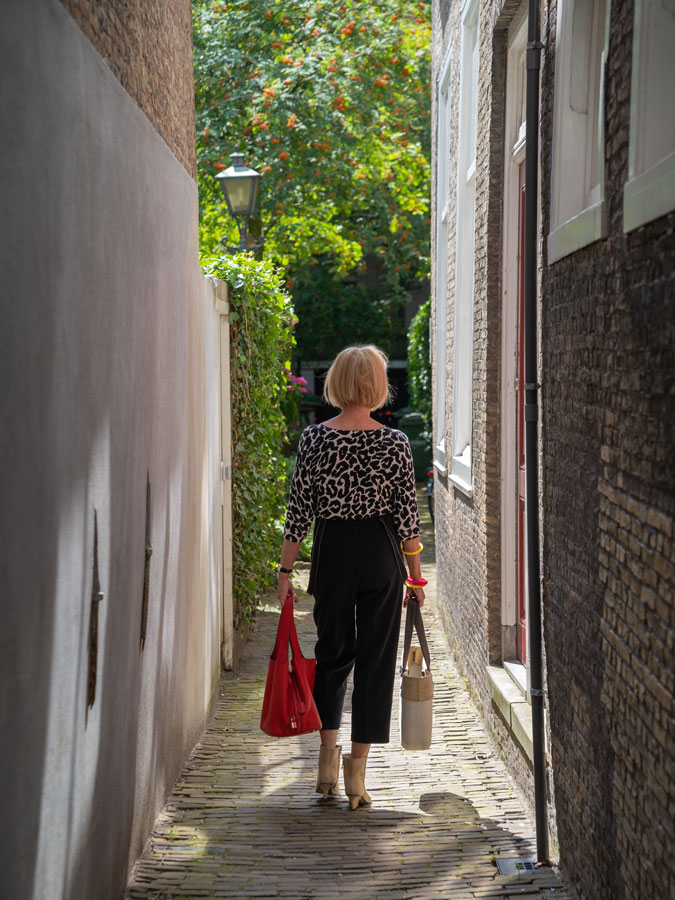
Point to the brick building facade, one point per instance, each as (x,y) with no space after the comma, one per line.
(608,410)
(148,46)
(607,421)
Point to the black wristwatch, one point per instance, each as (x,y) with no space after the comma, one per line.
(285,571)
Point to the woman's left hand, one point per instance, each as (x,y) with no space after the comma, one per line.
(411,592)
(284,588)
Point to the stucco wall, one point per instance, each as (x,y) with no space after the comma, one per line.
(108,374)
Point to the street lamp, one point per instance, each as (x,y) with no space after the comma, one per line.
(239,185)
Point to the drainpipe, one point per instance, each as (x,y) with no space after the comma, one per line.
(534,48)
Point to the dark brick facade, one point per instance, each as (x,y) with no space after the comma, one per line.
(607,357)
(148,45)
(609,500)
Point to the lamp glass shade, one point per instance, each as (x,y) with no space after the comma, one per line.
(239,185)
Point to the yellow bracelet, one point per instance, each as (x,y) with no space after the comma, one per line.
(413,552)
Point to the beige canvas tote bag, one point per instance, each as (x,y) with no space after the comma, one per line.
(417,685)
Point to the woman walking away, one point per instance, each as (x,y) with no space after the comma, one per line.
(355,477)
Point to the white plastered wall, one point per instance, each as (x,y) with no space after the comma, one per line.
(109,374)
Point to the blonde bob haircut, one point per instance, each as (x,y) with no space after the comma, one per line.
(358,377)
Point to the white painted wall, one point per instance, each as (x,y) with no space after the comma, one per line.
(109,370)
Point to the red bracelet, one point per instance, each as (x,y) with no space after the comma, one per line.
(411,582)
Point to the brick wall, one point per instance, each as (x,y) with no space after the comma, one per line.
(459,529)
(468,538)
(609,502)
(148,45)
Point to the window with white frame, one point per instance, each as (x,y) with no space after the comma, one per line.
(442,223)
(462,382)
(578,215)
(650,189)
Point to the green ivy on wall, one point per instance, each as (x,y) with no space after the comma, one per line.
(419,363)
(261,338)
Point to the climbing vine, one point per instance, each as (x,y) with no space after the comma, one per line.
(261,325)
(419,363)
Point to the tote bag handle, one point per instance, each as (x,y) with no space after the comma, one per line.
(414,619)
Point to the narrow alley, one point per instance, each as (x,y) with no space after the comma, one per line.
(243,820)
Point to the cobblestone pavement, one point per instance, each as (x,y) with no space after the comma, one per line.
(243,820)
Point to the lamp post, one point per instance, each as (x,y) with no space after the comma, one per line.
(239,185)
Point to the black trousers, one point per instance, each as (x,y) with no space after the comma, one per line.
(357,582)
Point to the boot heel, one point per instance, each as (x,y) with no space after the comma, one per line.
(355,788)
(326,789)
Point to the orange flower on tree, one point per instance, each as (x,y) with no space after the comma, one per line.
(292,121)
(283,154)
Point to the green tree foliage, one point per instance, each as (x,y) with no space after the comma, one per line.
(333,312)
(419,363)
(261,322)
(331,104)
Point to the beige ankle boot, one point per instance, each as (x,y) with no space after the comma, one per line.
(329,771)
(355,774)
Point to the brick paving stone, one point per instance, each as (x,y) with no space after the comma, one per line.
(243,820)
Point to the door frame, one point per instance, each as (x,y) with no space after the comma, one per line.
(514,156)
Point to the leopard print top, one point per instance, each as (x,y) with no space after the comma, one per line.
(342,474)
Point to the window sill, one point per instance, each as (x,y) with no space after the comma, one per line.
(650,195)
(460,472)
(460,485)
(441,469)
(580,231)
(513,707)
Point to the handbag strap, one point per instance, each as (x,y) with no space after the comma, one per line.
(280,652)
(286,633)
(414,618)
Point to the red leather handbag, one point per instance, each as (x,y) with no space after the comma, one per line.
(288,705)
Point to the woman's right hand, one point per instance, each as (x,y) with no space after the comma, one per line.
(411,592)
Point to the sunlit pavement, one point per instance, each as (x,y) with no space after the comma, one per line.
(244,821)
